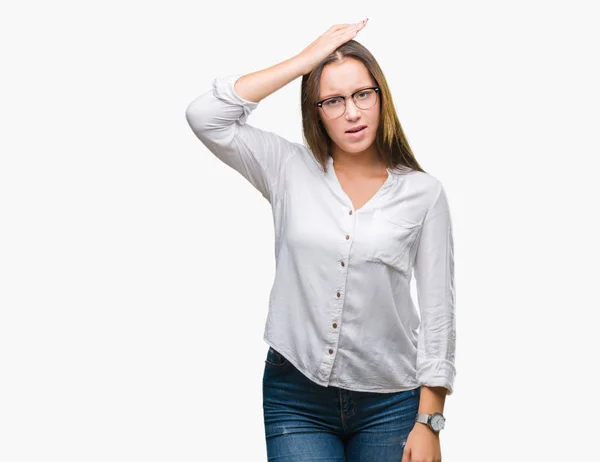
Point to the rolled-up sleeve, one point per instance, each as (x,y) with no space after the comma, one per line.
(434,277)
(218,118)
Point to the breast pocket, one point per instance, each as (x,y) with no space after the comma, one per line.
(391,239)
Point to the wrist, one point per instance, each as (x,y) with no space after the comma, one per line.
(427,428)
(435,421)
(302,66)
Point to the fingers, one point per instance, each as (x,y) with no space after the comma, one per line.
(356,28)
(348,27)
(406,454)
(351,30)
(338,27)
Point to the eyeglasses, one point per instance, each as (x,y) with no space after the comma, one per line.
(336,106)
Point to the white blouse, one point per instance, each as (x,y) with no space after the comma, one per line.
(340,308)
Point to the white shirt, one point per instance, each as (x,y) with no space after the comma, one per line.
(340,308)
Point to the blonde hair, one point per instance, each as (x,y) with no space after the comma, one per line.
(390,139)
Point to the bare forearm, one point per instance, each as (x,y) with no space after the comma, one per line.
(260,84)
(432,399)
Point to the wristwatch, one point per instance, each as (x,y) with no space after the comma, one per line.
(435,421)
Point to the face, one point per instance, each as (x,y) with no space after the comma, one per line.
(343,79)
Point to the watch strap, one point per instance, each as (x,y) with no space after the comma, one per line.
(426,419)
(423,418)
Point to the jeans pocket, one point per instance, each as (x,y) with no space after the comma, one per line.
(275,359)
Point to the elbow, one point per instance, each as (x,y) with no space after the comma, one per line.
(208,123)
(197,116)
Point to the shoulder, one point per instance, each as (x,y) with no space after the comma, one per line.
(424,189)
(304,158)
(423,182)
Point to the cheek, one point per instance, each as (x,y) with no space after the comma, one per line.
(375,116)
(331,129)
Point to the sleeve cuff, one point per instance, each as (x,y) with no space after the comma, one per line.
(223,88)
(437,373)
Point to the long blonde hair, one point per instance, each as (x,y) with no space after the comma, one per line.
(390,139)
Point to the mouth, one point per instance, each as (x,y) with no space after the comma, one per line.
(357,132)
(356,129)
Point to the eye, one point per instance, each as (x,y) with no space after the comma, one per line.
(332,102)
(364,94)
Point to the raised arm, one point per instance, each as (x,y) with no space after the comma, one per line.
(258,85)
(434,276)
(218,117)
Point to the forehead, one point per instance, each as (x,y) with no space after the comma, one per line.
(344,78)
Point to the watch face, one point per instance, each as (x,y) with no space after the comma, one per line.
(437,422)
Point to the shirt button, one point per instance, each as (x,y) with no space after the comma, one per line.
(334,325)
(350,212)
(338,294)
(347,236)
(342,263)
(330,351)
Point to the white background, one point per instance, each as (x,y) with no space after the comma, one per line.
(135,267)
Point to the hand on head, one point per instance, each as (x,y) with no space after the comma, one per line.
(327,43)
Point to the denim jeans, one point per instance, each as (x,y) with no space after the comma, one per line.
(305,421)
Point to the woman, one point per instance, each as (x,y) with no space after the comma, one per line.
(352,372)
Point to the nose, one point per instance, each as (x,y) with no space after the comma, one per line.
(352,110)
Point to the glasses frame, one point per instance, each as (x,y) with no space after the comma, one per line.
(320,103)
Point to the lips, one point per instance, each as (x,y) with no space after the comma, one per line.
(356,129)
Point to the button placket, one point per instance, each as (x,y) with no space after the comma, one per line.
(334,325)
(343,265)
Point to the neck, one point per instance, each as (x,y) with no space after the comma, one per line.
(360,161)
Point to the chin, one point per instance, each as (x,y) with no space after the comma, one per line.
(355,148)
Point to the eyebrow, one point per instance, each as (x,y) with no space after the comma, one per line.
(339,94)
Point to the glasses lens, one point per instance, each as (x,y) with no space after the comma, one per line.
(365,99)
(334,107)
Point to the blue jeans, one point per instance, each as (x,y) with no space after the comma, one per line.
(305,421)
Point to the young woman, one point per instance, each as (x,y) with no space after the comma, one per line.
(354,372)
